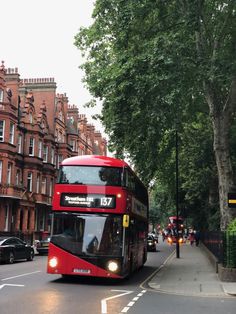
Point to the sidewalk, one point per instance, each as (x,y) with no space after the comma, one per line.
(192,275)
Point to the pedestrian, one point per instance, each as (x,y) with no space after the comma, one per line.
(191,237)
(197,237)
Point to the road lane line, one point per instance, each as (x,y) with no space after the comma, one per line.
(104,301)
(130,304)
(125,310)
(26,274)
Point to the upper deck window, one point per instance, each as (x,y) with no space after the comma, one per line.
(90,175)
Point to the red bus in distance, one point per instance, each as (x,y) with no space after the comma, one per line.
(99,219)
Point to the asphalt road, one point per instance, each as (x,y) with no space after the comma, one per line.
(25,287)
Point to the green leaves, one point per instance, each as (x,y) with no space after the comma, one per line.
(154,64)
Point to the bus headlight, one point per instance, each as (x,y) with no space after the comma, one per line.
(112,266)
(53,262)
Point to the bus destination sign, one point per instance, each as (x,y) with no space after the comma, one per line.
(88,200)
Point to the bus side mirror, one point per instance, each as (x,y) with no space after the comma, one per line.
(126,221)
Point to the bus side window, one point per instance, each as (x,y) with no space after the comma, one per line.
(129,180)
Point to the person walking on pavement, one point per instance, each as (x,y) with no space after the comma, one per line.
(197,237)
(191,237)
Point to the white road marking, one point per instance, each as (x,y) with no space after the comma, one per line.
(126,308)
(26,274)
(135,299)
(104,301)
(6,284)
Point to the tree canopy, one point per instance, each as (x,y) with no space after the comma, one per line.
(159,66)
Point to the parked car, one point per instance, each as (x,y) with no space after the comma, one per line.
(42,245)
(13,248)
(151,243)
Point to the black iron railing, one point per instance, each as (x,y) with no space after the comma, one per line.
(222,244)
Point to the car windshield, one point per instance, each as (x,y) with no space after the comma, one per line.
(2,240)
(88,235)
(90,175)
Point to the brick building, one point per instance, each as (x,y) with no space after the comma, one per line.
(38,129)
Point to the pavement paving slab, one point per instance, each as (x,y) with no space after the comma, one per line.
(190,274)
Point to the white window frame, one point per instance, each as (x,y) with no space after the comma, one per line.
(45,153)
(31,146)
(2,130)
(6,217)
(60,159)
(30,181)
(38,183)
(40,148)
(1,171)
(51,187)
(12,133)
(1,95)
(44,185)
(18,177)
(9,171)
(19,144)
(73,145)
(52,155)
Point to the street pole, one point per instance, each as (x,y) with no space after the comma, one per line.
(177,190)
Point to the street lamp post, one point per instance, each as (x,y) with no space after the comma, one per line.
(177,191)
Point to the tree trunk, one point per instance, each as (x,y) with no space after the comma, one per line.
(221,126)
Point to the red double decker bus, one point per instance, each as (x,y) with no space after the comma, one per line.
(99,219)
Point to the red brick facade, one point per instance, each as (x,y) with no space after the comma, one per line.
(38,129)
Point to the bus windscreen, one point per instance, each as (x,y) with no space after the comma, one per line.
(88,235)
(90,175)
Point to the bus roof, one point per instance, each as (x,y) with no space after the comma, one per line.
(94,160)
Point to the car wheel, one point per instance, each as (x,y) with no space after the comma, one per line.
(11,258)
(31,257)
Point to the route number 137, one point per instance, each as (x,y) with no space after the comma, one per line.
(106,201)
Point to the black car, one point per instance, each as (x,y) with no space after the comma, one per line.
(151,243)
(13,248)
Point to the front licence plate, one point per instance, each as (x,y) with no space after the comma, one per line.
(81,271)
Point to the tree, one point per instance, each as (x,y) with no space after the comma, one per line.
(157,63)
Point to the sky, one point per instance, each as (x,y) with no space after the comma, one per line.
(37,37)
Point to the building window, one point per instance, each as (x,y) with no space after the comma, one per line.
(44,185)
(18,177)
(2,128)
(6,217)
(52,155)
(0,171)
(60,159)
(12,129)
(73,145)
(9,170)
(30,181)
(19,144)
(40,148)
(51,187)
(1,95)
(45,153)
(31,146)
(38,183)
